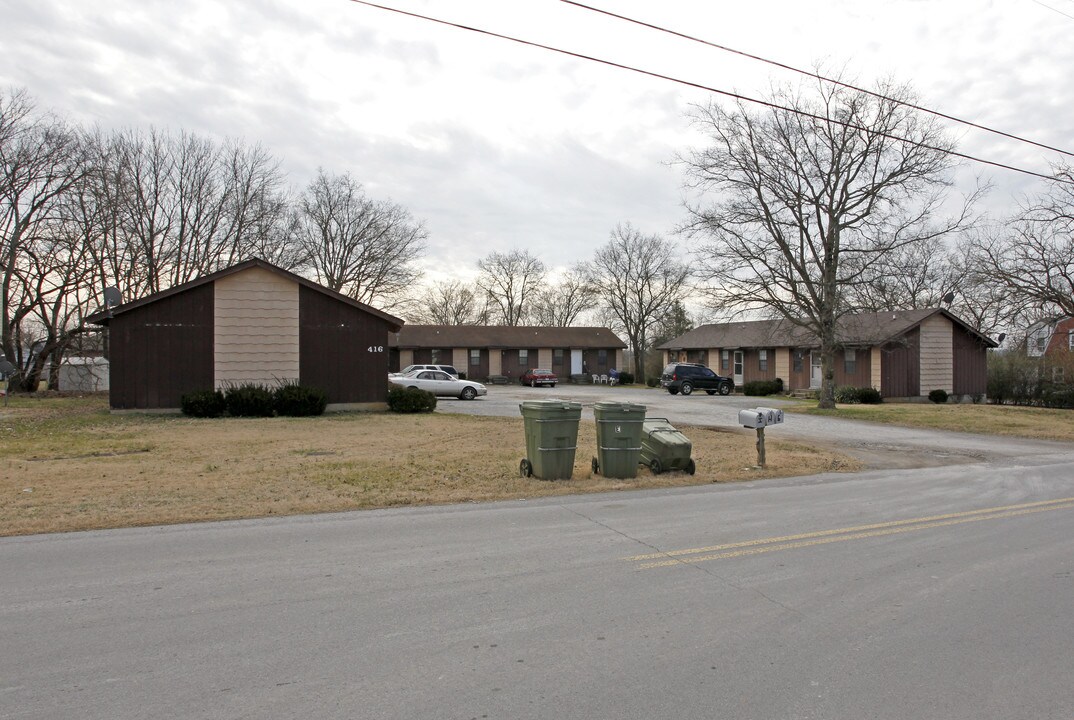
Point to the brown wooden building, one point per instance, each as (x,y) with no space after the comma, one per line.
(904,354)
(252,322)
(489,351)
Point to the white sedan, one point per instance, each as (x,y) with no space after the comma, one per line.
(441,384)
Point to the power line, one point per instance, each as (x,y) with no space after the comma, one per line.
(726,93)
(821,77)
(1054,9)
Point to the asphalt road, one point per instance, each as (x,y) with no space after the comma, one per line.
(945,592)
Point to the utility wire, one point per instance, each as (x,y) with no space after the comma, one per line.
(821,77)
(726,93)
(1054,9)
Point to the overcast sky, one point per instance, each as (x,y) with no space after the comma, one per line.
(496,145)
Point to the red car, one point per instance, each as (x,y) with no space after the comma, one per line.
(535,376)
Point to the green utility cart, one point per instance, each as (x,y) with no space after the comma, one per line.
(618,438)
(665,448)
(551,438)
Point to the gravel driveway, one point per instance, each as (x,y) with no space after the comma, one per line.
(879,446)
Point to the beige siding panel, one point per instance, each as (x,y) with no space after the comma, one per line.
(406,357)
(783,365)
(619,361)
(874,363)
(460,358)
(255,333)
(937,355)
(544,357)
(495,361)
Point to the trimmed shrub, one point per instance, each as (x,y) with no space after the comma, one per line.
(938,396)
(1058,396)
(652,382)
(761,387)
(626,378)
(203,404)
(296,400)
(869,396)
(779,385)
(249,400)
(847,395)
(410,400)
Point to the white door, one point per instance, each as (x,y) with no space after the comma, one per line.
(738,368)
(814,370)
(576,362)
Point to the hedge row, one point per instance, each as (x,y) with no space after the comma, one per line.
(763,387)
(410,400)
(849,395)
(255,400)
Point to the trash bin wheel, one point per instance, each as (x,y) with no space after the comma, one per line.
(525,469)
(691,468)
(595,466)
(655,466)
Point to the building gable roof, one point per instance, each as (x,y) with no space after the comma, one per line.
(102,317)
(858,329)
(502,336)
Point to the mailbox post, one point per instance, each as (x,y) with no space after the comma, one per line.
(760,418)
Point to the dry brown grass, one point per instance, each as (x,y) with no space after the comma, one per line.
(1027,422)
(67,464)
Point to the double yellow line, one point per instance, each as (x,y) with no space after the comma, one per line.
(823,537)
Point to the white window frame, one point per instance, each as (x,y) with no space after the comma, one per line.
(762,360)
(850,361)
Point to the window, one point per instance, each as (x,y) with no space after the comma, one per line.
(524,358)
(724,360)
(475,358)
(557,356)
(762,360)
(435,356)
(1058,375)
(1042,342)
(799,356)
(602,358)
(850,361)
(1070,341)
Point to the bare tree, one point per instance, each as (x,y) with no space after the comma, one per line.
(451,303)
(509,280)
(182,206)
(562,303)
(41,158)
(638,279)
(809,201)
(1033,260)
(355,245)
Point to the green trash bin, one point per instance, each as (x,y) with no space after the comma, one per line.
(551,438)
(665,448)
(618,438)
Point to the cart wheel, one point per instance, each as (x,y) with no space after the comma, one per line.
(691,468)
(655,466)
(525,469)
(596,466)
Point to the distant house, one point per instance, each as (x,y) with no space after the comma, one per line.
(489,351)
(252,322)
(1052,340)
(903,354)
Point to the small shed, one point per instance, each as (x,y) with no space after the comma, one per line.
(251,322)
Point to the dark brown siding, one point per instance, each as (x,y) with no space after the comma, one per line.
(591,360)
(900,367)
(971,364)
(697,356)
(334,349)
(751,365)
(433,356)
(561,366)
(162,350)
(862,375)
(479,371)
(512,367)
(799,379)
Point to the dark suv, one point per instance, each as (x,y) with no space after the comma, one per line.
(686,377)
